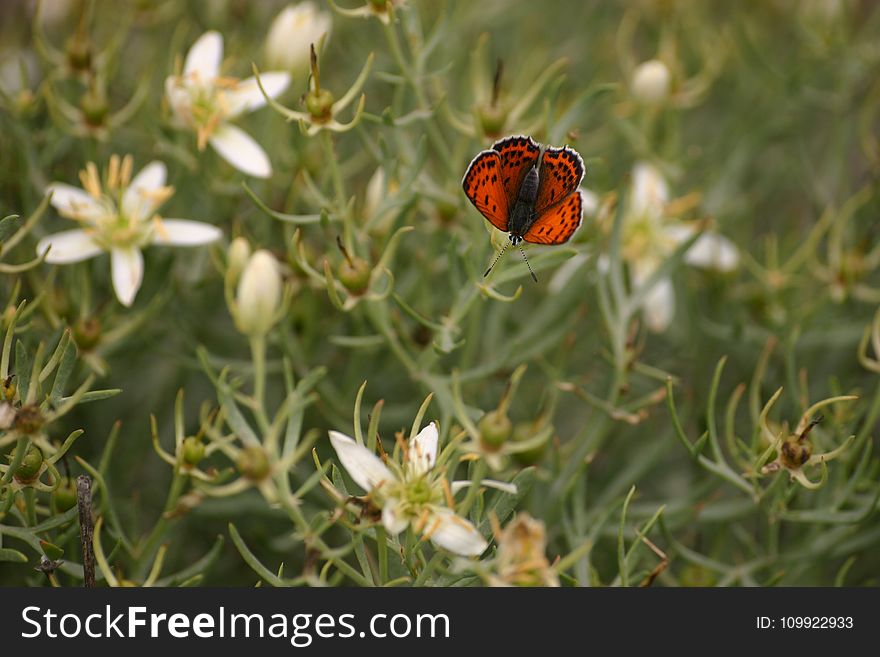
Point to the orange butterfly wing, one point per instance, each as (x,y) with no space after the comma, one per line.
(558,222)
(482,184)
(518,155)
(561,173)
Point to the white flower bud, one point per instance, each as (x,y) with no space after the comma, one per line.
(292,32)
(259,295)
(237,257)
(651,82)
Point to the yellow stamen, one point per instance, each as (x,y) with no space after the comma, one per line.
(125,171)
(401,442)
(113,172)
(226,82)
(450,502)
(158,196)
(430,531)
(422,520)
(160,228)
(91,180)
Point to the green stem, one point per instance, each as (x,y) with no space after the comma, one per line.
(151,544)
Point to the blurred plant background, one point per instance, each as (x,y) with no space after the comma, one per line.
(628,420)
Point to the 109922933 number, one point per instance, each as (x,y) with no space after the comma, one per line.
(805,622)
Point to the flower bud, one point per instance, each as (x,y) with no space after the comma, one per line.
(253,463)
(259,295)
(87,333)
(795,452)
(30,465)
(495,428)
(319,103)
(354,273)
(293,30)
(525,431)
(237,258)
(94,108)
(492,119)
(651,82)
(65,495)
(79,53)
(29,419)
(193,450)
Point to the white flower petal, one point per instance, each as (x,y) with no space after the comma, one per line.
(127,268)
(138,201)
(203,59)
(74,203)
(676,233)
(649,193)
(184,232)
(659,305)
(454,533)
(239,149)
(246,95)
(362,465)
(293,30)
(68,246)
(392,519)
(713,251)
(422,453)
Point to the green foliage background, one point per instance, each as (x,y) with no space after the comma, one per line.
(773,121)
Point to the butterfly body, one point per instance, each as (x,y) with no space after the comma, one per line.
(522,216)
(527,191)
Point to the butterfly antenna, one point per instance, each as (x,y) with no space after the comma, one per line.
(500,253)
(534,278)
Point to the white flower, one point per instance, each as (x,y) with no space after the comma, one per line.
(415,493)
(292,32)
(204,101)
(649,237)
(259,295)
(119,218)
(651,82)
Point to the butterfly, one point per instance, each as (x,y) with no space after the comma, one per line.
(529,192)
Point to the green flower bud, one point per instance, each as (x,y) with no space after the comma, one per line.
(354,273)
(94,108)
(253,463)
(492,119)
(320,104)
(193,450)
(525,431)
(64,496)
(79,53)
(87,333)
(495,428)
(29,468)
